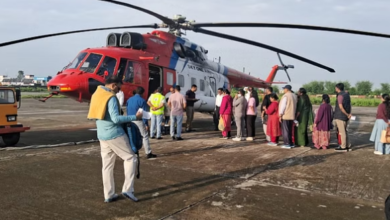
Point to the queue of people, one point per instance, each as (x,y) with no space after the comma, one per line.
(291,117)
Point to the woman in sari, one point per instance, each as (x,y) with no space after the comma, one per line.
(304,117)
(225,112)
(273,124)
(323,124)
(381,123)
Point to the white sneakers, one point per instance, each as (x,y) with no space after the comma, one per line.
(130,196)
(237,139)
(378,153)
(249,138)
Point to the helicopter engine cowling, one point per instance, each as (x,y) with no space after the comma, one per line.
(113,39)
(132,40)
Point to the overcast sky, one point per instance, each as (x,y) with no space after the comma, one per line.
(353,57)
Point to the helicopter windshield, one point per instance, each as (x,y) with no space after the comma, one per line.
(91,63)
(76,62)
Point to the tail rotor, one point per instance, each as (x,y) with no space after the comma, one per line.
(284,67)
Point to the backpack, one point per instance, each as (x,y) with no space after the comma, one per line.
(135,140)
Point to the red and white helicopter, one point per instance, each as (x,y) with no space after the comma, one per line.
(165,59)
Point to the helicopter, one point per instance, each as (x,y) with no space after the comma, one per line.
(166,59)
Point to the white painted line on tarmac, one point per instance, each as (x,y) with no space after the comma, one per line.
(49,145)
(51,112)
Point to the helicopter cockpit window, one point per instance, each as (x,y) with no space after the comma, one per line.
(91,63)
(76,62)
(133,73)
(107,67)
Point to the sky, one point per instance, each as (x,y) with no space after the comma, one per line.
(354,57)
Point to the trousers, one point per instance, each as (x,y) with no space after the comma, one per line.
(240,123)
(178,120)
(156,120)
(342,127)
(145,136)
(265,120)
(287,132)
(250,123)
(109,150)
(216,117)
(190,116)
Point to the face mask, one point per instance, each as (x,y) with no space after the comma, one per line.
(239,95)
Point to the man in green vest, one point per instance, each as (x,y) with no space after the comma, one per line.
(156,103)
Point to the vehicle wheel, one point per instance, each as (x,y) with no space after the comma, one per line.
(11,139)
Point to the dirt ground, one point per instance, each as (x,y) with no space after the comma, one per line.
(202,177)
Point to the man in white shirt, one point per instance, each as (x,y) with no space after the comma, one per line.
(287,110)
(121,98)
(247,94)
(218,102)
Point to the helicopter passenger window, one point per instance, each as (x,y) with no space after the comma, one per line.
(181,80)
(193,81)
(91,63)
(202,85)
(169,78)
(107,67)
(77,61)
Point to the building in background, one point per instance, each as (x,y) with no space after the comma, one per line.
(27,80)
(42,80)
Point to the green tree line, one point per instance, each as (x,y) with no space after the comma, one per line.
(360,88)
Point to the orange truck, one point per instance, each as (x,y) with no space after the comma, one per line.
(10,129)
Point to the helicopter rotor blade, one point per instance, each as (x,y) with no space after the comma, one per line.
(293,26)
(246,41)
(74,32)
(164,19)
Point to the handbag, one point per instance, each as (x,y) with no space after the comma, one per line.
(221,124)
(385,136)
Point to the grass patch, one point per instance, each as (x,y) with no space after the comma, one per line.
(361,102)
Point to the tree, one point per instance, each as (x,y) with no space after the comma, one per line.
(385,88)
(363,87)
(376,92)
(329,87)
(318,87)
(20,75)
(347,85)
(352,91)
(276,89)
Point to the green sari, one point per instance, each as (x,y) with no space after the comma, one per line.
(305,119)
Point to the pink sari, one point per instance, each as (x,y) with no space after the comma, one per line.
(227,119)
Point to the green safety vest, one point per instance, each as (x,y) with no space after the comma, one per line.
(156,100)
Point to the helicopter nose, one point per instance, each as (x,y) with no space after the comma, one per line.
(63,83)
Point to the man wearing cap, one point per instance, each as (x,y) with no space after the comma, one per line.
(287,109)
(156,102)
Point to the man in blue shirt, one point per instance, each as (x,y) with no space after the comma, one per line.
(133,104)
(105,108)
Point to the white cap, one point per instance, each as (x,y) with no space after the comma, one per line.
(245,88)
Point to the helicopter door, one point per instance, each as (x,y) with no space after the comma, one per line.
(169,80)
(155,78)
(213,87)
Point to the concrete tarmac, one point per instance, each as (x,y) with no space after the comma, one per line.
(202,177)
